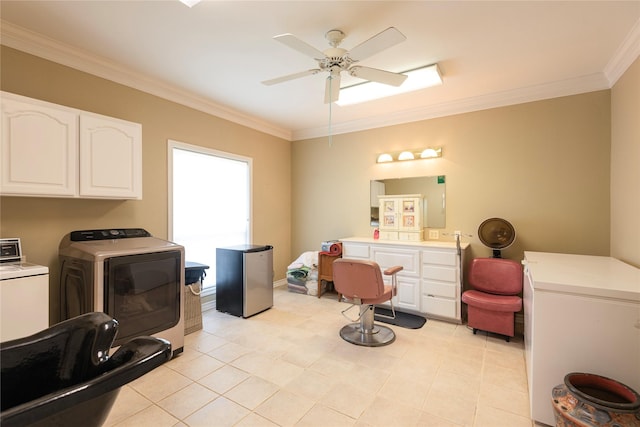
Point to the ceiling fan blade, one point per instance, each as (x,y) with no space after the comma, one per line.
(381,41)
(296,44)
(290,77)
(379,76)
(332,88)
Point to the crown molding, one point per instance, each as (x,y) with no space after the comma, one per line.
(36,44)
(590,83)
(625,55)
(33,43)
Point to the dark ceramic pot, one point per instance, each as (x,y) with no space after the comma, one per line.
(586,400)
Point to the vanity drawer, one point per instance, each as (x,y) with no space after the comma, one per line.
(440,307)
(354,250)
(439,289)
(410,236)
(440,257)
(389,235)
(445,274)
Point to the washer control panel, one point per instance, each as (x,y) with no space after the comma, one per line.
(108,234)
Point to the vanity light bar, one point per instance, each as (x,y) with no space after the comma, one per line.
(404,155)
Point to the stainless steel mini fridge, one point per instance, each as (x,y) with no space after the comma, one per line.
(244,279)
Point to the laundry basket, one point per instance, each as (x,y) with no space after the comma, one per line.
(193,275)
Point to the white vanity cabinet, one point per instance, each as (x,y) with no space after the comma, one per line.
(441,286)
(430,280)
(49,150)
(582,314)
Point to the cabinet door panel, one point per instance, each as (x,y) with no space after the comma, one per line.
(110,158)
(411,214)
(408,295)
(39,149)
(350,250)
(388,214)
(389,257)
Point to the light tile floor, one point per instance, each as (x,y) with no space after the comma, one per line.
(288,367)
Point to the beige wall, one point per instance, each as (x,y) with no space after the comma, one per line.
(543,166)
(41,222)
(625,167)
(548,167)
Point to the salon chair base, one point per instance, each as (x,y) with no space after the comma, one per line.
(366,333)
(381,335)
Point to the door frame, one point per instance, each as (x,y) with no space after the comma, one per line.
(171,144)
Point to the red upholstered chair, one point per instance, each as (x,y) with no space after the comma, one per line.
(360,281)
(494,299)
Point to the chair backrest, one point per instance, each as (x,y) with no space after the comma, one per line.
(356,278)
(496,276)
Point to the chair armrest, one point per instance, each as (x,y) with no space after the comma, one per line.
(393,270)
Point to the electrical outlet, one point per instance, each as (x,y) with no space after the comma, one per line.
(434,235)
(457,233)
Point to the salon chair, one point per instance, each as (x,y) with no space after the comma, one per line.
(360,282)
(493,300)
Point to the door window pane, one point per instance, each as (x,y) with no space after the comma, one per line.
(210,205)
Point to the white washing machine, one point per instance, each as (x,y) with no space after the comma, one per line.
(24,293)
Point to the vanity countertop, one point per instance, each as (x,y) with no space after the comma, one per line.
(422,244)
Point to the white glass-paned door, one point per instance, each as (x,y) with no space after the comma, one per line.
(211,203)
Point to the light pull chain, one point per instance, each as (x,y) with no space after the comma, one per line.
(330,109)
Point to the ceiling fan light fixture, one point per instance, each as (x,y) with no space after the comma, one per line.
(335,59)
(419,78)
(190,3)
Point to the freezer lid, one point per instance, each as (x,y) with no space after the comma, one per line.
(249,248)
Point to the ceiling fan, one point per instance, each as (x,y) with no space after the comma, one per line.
(335,60)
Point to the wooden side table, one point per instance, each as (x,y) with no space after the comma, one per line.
(325,270)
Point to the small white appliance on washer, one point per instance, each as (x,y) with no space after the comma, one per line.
(24,293)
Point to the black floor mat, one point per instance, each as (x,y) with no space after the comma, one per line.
(405,320)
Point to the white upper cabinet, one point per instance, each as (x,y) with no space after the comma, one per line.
(50,150)
(39,149)
(110,157)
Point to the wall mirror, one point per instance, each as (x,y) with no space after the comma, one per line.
(432,189)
